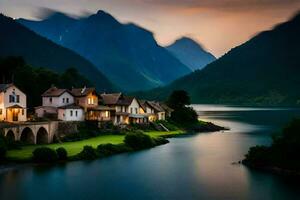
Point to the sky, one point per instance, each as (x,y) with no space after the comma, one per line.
(218,25)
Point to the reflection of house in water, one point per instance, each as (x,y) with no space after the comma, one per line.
(12,104)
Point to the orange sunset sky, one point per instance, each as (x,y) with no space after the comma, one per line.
(218,25)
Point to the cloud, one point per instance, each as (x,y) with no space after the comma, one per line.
(227,5)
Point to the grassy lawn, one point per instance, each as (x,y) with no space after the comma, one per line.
(74,148)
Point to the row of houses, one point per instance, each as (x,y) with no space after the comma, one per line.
(80,104)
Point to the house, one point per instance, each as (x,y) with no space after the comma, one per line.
(13,104)
(127,109)
(88,99)
(52,99)
(156,110)
(70,113)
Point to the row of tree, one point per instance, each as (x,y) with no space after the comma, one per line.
(34,81)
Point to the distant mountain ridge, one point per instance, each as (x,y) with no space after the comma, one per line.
(17,40)
(126,53)
(190,53)
(263,71)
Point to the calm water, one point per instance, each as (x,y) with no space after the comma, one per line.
(192,167)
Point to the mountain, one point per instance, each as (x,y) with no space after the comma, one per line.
(17,40)
(190,53)
(126,53)
(263,71)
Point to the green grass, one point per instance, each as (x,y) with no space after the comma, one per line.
(74,148)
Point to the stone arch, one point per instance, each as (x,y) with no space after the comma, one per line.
(10,136)
(42,136)
(27,136)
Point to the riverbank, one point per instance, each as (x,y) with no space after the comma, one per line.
(22,157)
(73,148)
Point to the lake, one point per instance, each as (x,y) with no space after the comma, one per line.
(191,167)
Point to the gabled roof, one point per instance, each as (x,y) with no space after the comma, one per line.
(3,87)
(166,107)
(71,106)
(156,106)
(54,92)
(81,92)
(110,99)
(116,99)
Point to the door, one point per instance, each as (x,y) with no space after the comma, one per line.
(15,115)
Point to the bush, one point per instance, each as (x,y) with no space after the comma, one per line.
(160,141)
(88,153)
(104,150)
(44,155)
(138,140)
(62,153)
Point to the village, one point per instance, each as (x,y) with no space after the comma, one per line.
(60,105)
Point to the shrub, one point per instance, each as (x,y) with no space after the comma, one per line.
(62,153)
(110,149)
(44,154)
(160,141)
(88,153)
(138,140)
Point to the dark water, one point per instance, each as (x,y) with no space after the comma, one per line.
(192,167)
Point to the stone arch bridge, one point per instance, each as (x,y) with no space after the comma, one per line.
(32,132)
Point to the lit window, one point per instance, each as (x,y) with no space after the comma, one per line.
(89,101)
(106,114)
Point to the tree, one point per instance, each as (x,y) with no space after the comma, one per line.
(178,99)
(182,115)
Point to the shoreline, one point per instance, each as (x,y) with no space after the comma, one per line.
(16,164)
(273,170)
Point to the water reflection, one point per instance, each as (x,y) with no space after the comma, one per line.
(192,167)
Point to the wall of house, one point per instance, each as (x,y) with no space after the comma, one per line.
(89,101)
(71,114)
(134,107)
(2,106)
(161,115)
(59,101)
(41,111)
(7,114)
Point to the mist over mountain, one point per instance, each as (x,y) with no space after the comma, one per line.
(126,53)
(17,40)
(263,71)
(190,53)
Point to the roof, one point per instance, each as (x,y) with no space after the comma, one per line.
(15,106)
(71,106)
(166,108)
(156,106)
(3,87)
(54,92)
(80,92)
(101,108)
(110,99)
(116,99)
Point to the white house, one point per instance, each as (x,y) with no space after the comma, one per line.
(52,99)
(71,113)
(13,104)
